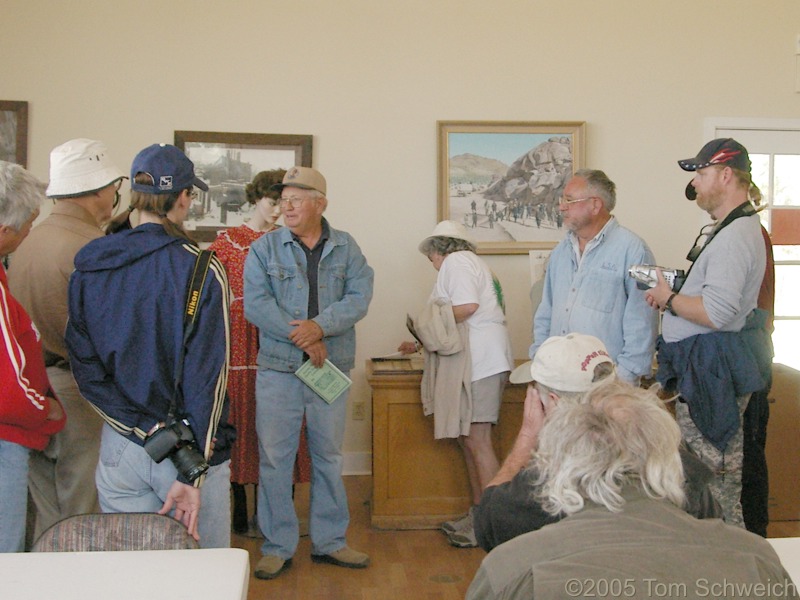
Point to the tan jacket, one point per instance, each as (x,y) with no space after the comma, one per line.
(447,378)
(40,269)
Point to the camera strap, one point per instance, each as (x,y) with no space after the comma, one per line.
(189,317)
(745,209)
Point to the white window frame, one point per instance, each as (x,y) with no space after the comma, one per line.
(712,125)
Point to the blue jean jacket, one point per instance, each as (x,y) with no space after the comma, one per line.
(711,370)
(276,293)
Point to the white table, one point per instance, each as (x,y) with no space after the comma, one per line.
(788,550)
(215,574)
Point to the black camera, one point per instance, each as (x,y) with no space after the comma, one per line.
(176,441)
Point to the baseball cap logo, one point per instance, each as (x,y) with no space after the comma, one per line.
(724,156)
(590,356)
(292,174)
(165,182)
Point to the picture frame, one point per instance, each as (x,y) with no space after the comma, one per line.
(14,132)
(227,162)
(503,180)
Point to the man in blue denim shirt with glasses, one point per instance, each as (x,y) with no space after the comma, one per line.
(587,288)
(306,285)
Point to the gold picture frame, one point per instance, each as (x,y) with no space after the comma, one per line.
(503,179)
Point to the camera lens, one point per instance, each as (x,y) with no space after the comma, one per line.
(189,462)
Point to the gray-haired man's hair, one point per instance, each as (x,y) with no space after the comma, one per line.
(600,185)
(21,194)
(619,436)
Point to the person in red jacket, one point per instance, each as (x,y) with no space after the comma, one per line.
(29,411)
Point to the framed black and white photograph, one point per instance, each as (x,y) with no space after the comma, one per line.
(227,162)
(503,180)
(14,132)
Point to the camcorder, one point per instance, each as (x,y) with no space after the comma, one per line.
(176,441)
(646,277)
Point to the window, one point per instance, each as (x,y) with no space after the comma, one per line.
(775,154)
(778,177)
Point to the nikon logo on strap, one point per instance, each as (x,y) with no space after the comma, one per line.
(192,306)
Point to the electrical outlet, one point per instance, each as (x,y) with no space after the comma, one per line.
(797,44)
(359,411)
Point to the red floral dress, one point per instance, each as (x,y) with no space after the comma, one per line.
(231,247)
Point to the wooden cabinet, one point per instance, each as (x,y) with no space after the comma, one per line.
(418,481)
(783,444)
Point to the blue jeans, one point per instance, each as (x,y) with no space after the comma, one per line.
(128,480)
(13,495)
(281,401)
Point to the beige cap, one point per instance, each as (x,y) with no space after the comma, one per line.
(451,229)
(304,178)
(564,363)
(80,165)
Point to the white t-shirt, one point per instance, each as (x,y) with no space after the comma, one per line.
(466,279)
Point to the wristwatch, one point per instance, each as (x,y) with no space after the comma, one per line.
(668,305)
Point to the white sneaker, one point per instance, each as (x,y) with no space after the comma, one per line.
(465,538)
(458,523)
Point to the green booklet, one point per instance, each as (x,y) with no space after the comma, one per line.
(327,381)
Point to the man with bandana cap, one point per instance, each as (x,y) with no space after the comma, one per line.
(713,349)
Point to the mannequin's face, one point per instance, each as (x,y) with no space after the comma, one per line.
(269,209)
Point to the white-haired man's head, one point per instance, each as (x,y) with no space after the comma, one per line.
(619,436)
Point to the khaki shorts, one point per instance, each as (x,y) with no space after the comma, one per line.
(487,393)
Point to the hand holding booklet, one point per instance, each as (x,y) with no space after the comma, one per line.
(327,381)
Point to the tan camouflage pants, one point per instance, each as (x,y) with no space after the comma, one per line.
(726,466)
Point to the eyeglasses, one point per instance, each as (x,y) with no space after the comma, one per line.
(193,194)
(564,201)
(706,231)
(295,201)
(117,195)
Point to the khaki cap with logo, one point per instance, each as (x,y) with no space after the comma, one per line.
(304,178)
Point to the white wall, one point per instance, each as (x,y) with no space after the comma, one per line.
(370,78)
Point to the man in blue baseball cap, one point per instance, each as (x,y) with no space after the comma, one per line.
(160,391)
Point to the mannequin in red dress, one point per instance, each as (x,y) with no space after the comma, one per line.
(231,247)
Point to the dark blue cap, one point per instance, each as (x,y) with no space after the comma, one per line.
(722,151)
(170,168)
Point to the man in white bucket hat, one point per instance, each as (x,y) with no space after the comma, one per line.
(84,184)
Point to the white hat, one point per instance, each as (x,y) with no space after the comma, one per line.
(564,363)
(79,166)
(451,229)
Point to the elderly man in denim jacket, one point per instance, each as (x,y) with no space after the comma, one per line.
(305,287)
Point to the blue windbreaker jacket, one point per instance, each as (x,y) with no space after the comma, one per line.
(125,331)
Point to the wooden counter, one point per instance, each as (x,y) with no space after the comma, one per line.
(418,481)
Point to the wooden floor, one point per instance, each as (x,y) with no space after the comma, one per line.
(419,565)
